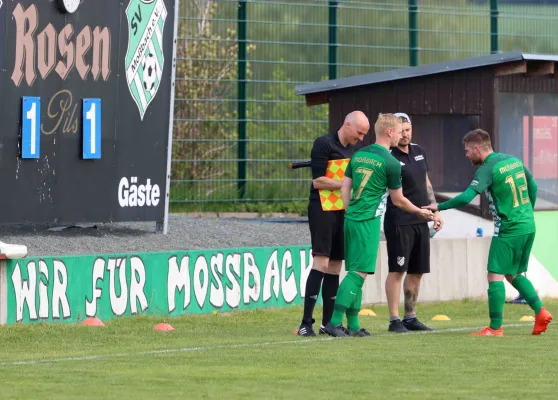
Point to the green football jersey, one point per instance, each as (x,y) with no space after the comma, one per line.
(373,170)
(504,181)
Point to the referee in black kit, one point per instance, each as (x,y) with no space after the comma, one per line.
(407,236)
(326,227)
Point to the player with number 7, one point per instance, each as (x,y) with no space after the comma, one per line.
(372,175)
(511,192)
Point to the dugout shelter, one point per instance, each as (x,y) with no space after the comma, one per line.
(512,95)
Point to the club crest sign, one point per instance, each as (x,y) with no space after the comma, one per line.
(144,55)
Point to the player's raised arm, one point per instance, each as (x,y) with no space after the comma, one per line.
(403,203)
(459,201)
(476,151)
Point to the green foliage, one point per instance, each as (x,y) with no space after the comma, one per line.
(291,140)
(206,71)
(287,46)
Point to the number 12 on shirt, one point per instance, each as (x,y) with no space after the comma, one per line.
(522,188)
(31,127)
(91,128)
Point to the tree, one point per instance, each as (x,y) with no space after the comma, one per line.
(205,110)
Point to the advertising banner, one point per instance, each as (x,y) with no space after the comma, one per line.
(85,108)
(545,146)
(71,289)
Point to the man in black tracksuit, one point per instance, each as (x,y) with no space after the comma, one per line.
(407,236)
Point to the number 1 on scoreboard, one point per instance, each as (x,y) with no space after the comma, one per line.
(91,128)
(30,127)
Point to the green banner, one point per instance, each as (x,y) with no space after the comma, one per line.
(70,289)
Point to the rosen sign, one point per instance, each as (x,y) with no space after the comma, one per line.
(86,110)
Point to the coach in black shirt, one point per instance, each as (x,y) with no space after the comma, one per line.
(407,236)
(326,227)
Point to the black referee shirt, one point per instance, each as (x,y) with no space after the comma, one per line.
(325,148)
(413,179)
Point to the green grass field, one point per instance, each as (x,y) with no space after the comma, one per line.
(249,355)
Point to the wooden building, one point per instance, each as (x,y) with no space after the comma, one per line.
(513,96)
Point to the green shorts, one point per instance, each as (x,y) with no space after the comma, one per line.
(362,239)
(510,255)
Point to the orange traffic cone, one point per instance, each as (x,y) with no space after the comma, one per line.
(92,321)
(163,327)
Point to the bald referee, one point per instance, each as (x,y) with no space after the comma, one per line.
(326,227)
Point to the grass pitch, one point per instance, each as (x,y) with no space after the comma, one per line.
(255,355)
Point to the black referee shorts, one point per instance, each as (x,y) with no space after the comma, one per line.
(326,232)
(408,248)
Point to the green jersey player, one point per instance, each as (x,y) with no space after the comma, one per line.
(511,192)
(370,172)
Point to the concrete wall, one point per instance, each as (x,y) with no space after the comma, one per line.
(458,271)
(458,260)
(458,263)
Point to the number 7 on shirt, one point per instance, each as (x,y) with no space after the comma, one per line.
(367,174)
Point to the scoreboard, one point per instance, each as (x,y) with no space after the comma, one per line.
(86,92)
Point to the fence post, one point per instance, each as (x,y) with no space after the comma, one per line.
(332,43)
(241,98)
(493,26)
(413,33)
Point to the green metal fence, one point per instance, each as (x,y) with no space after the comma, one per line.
(238,123)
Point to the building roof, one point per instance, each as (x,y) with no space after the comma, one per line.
(422,70)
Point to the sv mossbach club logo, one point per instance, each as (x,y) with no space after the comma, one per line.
(144,56)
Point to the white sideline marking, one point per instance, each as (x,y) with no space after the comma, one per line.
(231,346)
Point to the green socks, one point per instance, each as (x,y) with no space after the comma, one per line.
(352,312)
(350,290)
(528,292)
(496,300)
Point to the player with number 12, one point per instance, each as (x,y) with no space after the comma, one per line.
(511,192)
